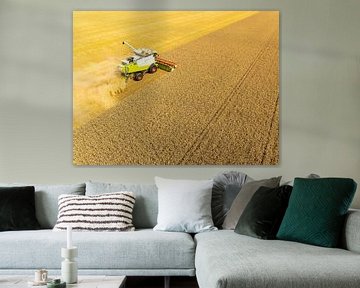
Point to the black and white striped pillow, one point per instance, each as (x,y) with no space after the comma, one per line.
(105,212)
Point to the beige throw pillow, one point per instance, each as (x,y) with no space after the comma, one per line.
(243,198)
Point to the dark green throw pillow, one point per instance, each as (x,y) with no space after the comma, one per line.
(316,211)
(263,214)
(17,208)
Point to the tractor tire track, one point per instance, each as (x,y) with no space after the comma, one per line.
(271,150)
(226,102)
(249,124)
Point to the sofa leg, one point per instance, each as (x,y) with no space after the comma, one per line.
(167,282)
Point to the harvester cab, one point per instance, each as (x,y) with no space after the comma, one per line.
(143,61)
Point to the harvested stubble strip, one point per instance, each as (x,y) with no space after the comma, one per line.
(249,117)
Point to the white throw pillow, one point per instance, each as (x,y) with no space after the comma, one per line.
(184,205)
(104,212)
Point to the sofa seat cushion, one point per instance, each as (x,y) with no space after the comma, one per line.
(226,259)
(141,249)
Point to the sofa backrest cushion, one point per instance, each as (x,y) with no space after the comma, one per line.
(46,200)
(146,204)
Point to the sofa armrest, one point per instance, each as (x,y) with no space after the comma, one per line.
(351,234)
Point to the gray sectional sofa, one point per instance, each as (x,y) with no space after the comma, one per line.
(218,258)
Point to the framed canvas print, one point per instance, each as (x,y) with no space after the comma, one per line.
(175,87)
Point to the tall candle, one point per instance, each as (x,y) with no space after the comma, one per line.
(69,237)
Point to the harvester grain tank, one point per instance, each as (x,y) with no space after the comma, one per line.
(143,61)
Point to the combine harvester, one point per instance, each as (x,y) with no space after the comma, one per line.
(143,61)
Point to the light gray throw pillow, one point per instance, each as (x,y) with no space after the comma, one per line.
(184,205)
(243,198)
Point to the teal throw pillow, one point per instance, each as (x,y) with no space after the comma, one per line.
(316,211)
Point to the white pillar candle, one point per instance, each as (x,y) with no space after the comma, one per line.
(69,237)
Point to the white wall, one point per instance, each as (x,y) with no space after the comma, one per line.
(320,90)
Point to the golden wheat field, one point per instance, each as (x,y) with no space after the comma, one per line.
(220,106)
(98,49)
